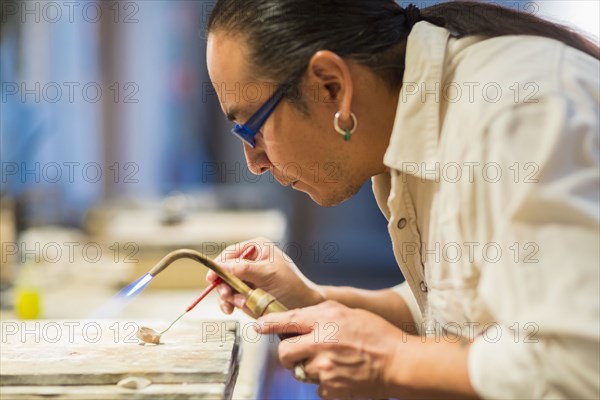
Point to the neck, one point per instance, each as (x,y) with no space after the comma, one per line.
(385,114)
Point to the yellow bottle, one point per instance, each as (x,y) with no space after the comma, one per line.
(27,291)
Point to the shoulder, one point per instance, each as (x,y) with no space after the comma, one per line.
(518,81)
(513,69)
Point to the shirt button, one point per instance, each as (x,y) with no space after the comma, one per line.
(423,287)
(401,223)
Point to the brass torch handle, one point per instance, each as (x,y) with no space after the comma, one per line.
(261,303)
(237,284)
(258,301)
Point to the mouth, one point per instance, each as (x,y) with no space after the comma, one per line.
(284,182)
(294,184)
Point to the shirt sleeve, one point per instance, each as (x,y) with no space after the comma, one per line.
(406,293)
(544,215)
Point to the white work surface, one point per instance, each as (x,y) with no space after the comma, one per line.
(162,305)
(76,289)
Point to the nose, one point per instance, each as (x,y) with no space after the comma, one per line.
(258,162)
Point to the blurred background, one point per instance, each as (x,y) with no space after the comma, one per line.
(114,151)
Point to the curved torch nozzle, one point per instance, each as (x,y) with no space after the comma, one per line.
(258,301)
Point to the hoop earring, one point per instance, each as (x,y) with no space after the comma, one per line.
(346,133)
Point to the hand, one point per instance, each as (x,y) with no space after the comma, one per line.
(270,269)
(349,352)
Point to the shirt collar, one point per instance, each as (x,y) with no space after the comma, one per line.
(415,135)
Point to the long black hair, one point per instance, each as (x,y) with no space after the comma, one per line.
(282,35)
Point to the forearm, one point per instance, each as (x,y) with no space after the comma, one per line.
(386,303)
(419,367)
(430,369)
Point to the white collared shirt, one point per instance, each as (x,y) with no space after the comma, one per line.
(493,203)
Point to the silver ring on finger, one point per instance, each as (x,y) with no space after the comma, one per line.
(300,373)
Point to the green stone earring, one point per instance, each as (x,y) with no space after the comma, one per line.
(346,133)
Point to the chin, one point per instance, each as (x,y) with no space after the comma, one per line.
(330,198)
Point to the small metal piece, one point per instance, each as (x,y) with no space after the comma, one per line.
(148,335)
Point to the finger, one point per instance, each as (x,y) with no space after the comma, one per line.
(297,349)
(211,276)
(223,288)
(249,252)
(230,252)
(237,250)
(225,291)
(239,300)
(300,320)
(249,312)
(323,393)
(312,372)
(243,269)
(249,271)
(339,388)
(225,306)
(228,308)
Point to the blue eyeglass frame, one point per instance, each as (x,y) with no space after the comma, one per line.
(248,131)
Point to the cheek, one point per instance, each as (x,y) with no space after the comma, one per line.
(287,140)
(294,141)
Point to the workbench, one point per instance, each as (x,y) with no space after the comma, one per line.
(74,289)
(85,359)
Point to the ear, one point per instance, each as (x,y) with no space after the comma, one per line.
(329,72)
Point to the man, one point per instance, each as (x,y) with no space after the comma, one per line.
(483,151)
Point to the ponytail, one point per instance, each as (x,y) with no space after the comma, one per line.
(488,20)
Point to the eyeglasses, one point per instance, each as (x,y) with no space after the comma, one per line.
(248,131)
